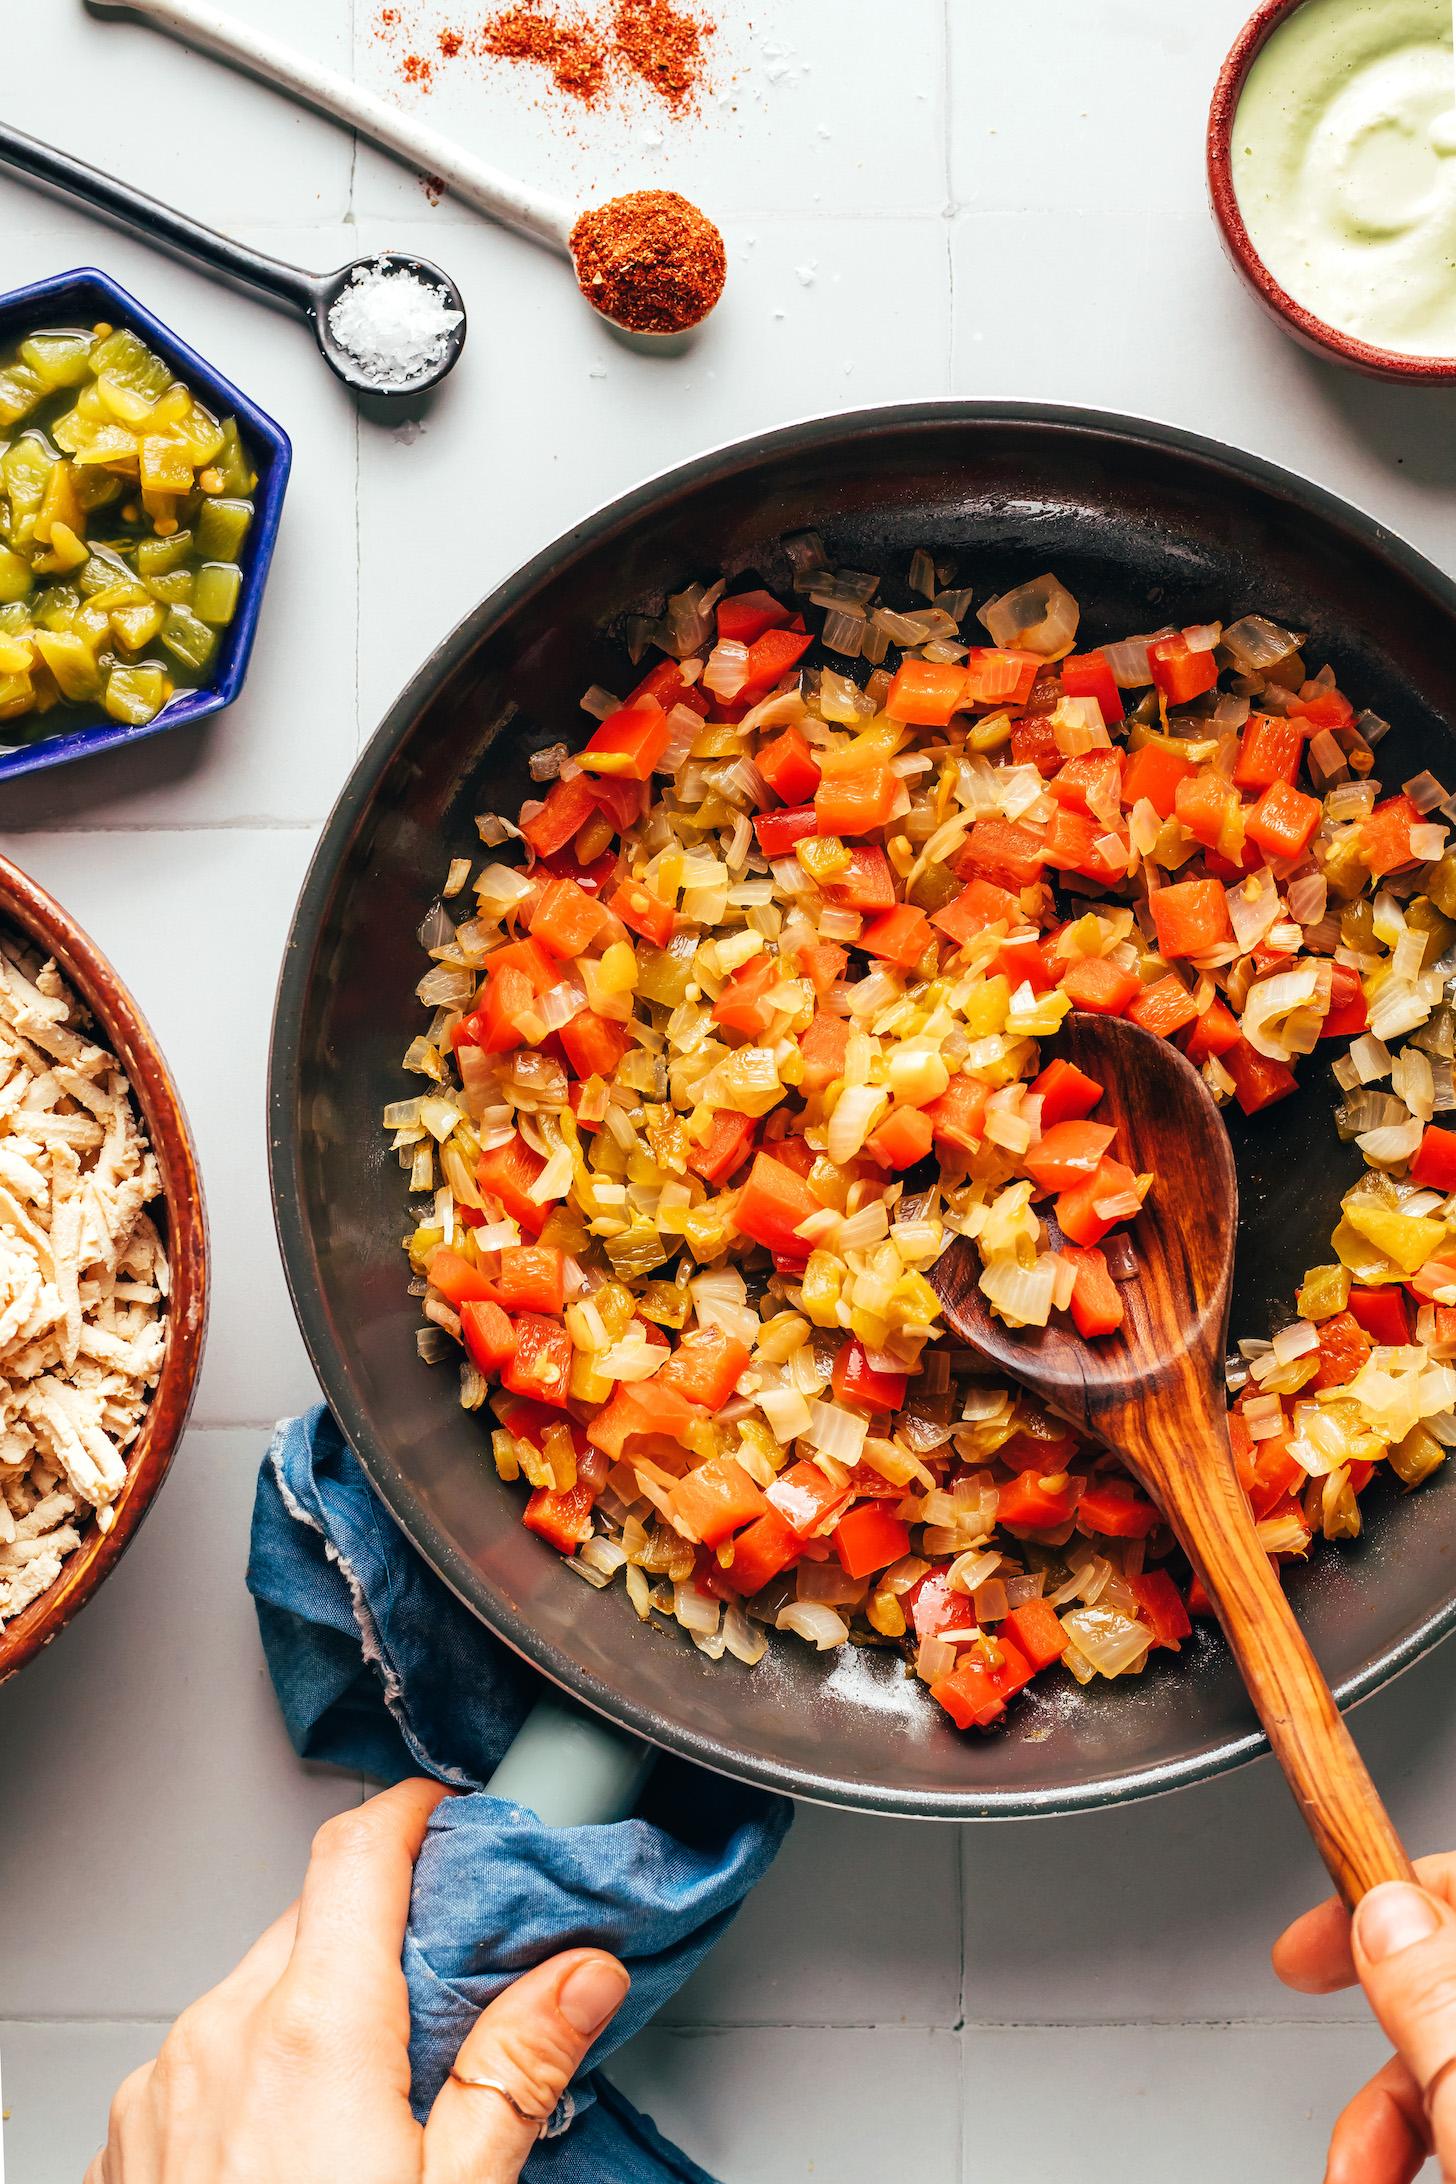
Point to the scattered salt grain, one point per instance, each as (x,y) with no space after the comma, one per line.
(393,324)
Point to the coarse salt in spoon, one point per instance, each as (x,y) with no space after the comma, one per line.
(390,324)
(1153,1392)
(649,261)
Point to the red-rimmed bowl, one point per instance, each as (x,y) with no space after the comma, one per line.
(1315,334)
(26,908)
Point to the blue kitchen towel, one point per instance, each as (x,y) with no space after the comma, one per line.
(379,1668)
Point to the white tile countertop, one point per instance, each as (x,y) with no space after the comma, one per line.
(950,196)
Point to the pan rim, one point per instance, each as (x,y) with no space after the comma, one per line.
(285,1145)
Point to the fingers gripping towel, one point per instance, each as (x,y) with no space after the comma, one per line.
(379,1668)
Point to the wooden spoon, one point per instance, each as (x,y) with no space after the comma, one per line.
(1154,1393)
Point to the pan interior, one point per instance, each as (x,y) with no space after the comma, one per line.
(1146,526)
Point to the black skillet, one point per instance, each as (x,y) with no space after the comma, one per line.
(1146,524)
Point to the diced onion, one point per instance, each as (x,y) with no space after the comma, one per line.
(808,1619)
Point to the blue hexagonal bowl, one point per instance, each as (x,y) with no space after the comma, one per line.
(80,298)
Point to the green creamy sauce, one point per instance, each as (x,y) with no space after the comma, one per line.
(1344,165)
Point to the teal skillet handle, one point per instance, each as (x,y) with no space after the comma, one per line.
(571,1768)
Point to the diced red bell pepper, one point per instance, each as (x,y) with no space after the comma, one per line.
(1152,775)
(1097,1307)
(870,1538)
(1348,1014)
(1076,843)
(804,1498)
(532,1278)
(1002,850)
(823,963)
(594,1045)
(1091,780)
(899,936)
(506,1172)
(665,683)
(1283,821)
(1164,1007)
(725,1147)
(772,1204)
(958,1117)
(1258,1080)
(975,1692)
(996,675)
(537,964)
(794,1152)
(564,1519)
(1113,1509)
(976,906)
(566,918)
(744,616)
(868,885)
(489,1335)
(705,1367)
(645,913)
(778,831)
(1076,1209)
(1434,1166)
(1099,985)
(789,767)
(1087,675)
(1385,836)
(1034,743)
(743,1005)
(1343,1349)
(1066,1092)
(628,742)
(1382,1313)
(823,1047)
(1028,1504)
(1323,709)
(1160,1606)
(459,1280)
(494,1025)
(855,1380)
(857,802)
(1042,1451)
(1214,1032)
(1179,673)
(902,1138)
(1271,750)
(764,1551)
(1035,1630)
(1067,1153)
(769,659)
(717,1500)
(1191,917)
(927,693)
(568,806)
(639,1410)
(1021,960)
(540,1364)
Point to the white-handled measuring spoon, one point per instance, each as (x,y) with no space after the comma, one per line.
(532,212)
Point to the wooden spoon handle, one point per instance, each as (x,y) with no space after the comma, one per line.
(1339,1803)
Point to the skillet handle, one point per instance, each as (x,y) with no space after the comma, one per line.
(571,1768)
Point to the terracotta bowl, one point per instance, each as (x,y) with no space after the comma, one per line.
(1293,317)
(28,909)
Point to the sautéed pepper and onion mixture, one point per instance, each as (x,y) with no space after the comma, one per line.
(756,1005)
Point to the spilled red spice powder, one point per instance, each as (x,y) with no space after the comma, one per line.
(569,47)
(652,43)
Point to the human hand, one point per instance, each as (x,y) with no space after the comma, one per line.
(297,2066)
(1401,1947)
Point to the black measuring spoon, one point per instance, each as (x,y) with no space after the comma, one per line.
(312,295)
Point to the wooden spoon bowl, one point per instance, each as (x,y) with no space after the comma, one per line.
(1154,1393)
(120,1026)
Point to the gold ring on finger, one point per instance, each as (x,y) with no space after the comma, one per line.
(493,2085)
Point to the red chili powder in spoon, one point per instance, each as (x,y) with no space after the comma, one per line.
(650,261)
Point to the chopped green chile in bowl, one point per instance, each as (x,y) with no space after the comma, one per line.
(139,494)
